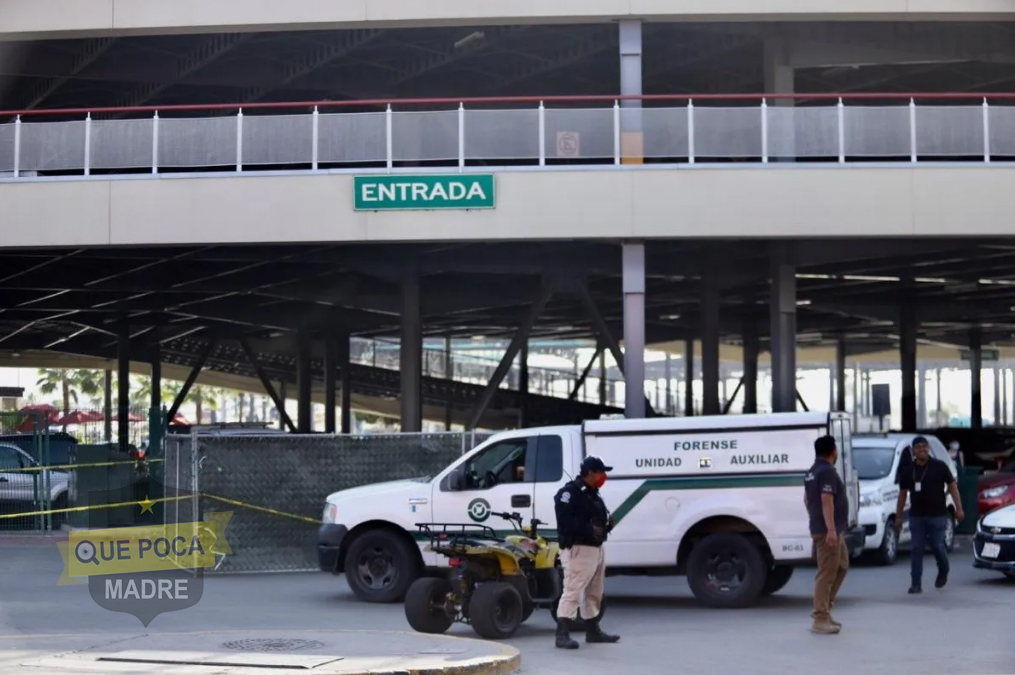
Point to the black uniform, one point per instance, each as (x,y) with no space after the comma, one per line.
(583,523)
(822,478)
(580,509)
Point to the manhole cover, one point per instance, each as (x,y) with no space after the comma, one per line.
(273,645)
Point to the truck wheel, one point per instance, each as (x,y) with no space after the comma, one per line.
(424,605)
(777,578)
(726,571)
(495,610)
(888,552)
(380,566)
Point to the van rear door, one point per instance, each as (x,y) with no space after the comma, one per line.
(842,432)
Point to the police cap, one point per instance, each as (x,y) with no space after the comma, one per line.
(593,463)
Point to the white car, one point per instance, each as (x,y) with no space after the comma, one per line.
(20,489)
(994,543)
(877,458)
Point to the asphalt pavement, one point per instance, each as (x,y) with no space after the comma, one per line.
(963,629)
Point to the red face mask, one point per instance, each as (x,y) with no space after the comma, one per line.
(601,481)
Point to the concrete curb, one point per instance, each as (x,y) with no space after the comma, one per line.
(415,653)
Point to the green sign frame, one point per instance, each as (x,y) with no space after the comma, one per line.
(425,192)
(985,355)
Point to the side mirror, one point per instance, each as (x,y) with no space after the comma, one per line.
(456,480)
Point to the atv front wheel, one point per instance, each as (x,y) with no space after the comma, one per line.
(424,605)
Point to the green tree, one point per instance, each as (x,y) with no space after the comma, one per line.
(70,384)
(141,392)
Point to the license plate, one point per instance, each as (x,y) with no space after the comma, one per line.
(991,550)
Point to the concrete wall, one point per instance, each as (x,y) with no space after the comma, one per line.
(32,19)
(651,203)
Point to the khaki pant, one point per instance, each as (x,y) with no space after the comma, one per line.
(584,572)
(833,564)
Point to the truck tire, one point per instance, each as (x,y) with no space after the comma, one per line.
(726,571)
(495,610)
(777,578)
(422,605)
(380,566)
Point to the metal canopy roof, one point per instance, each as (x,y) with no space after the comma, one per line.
(70,300)
(501,61)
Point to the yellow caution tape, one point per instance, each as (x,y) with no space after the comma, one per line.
(224,500)
(60,467)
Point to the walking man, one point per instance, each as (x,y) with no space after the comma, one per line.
(583,523)
(828,512)
(927,479)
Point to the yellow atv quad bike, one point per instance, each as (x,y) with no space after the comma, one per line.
(495,583)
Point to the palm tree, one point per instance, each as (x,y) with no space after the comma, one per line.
(141,393)
(69,383)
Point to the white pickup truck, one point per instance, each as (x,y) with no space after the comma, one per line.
(718,499)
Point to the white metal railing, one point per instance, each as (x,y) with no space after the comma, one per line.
(842,132)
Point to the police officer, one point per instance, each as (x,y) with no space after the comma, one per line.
(583,523)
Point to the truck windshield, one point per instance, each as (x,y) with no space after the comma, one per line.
(871,462)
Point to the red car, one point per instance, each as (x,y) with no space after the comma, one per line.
(997,489)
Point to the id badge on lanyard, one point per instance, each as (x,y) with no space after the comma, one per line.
(917,485)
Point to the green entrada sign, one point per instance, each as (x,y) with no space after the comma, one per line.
(407,193)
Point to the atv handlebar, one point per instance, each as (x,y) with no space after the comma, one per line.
(516,520)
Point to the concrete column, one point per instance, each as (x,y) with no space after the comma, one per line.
(108,406)
(156,388)
(907,361)
(523,382)
(710,343)
(780,79)
(634,329)
(411,354)
(330,382)
(975,364)
(123,386)
(689,378)
(937,394)
(751,348)
(304,383)
(603,373)
(1003,375)
(783,349)
(668,375)
(856,395)
(921,397)
(631,135)
(345,380)
(449,375)
(997,395)
(840,375)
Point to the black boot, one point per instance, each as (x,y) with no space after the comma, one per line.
(564,640)
(593,633)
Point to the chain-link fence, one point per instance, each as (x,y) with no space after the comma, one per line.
(276,485)
(25,487)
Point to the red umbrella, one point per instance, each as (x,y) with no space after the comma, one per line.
(131,417)
(34,414)
(180,419)
(79,417)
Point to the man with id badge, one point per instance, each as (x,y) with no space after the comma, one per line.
(926,479)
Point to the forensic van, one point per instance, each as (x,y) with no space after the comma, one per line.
(718,499)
